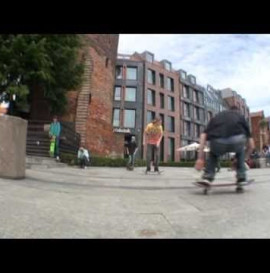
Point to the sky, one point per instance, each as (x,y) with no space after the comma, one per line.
(238,61)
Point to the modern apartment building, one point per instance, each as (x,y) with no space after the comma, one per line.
(213,103)
(192,108)
(145,88)
(157,86)
(232,98)
(128,100)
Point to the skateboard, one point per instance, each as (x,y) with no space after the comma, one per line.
(207,188)
(153,172)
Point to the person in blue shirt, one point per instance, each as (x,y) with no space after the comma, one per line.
(55,131)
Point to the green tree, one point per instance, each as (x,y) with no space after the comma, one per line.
(49,62)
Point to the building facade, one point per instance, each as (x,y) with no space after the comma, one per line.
(157,87)
(213,102)
(128,101)
(192,110)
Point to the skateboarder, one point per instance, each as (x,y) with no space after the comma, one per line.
(228,131)
(55,131)
(132,148)
(83,157)
(152,137)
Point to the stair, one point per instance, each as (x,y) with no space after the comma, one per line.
(38,142)
(38,162)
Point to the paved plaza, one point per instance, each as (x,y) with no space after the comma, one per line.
(115,203)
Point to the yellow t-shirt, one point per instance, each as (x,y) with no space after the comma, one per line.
(153,133)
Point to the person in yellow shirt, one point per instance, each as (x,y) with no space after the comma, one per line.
(153,134)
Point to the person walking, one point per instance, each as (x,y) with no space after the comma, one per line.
(55,131)
(83,157)
(153,134)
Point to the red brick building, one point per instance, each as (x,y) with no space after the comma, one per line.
(90,108)
(260,134)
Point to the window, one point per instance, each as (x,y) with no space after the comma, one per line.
(186,110)
(130,94)
(116,117)
(117,93)
(171,103)
(129,118)
(202,114)
(171,124)
(170,84)
(183,75)
(196,113)
(151,97)
(196,96)
(197,130)
(187,128)
(209,116)
(192,80)
(171,149)
(119,72)
(149,58)
(151,76)
(131,73)
(161,97)
(167,66)
(150,116)
(162,120)
(161,80)
(185,92)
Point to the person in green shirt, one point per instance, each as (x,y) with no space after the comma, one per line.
(55,131)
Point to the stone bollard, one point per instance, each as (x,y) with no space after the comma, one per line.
(13,132)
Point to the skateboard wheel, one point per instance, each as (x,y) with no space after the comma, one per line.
(239,190)
(205,191)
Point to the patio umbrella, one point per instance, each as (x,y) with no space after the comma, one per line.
(191,147)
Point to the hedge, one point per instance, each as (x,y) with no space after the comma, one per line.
(97,161)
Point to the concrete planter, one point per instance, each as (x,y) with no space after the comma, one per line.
(13,132)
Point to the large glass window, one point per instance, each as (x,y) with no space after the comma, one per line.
(161,97)
(183,75)
(168,66)
(151,97)
(186,110)
(129,118)
(197,130)
(196,113)
(151,76)
(170,103)
(187,128)
(185,92)
(131,73)
(170,84)
(119,72)
(116,117)
(150,116)
(130,94)
(171,149)
(117,93)
(171,124)
(149,58)
(192,80)
(161,80)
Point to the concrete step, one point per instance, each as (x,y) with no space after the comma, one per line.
(38,162)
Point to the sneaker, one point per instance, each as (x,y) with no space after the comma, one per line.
(241,181)
(148,170)
(156,170)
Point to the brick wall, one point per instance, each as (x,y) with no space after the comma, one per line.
(91,106)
